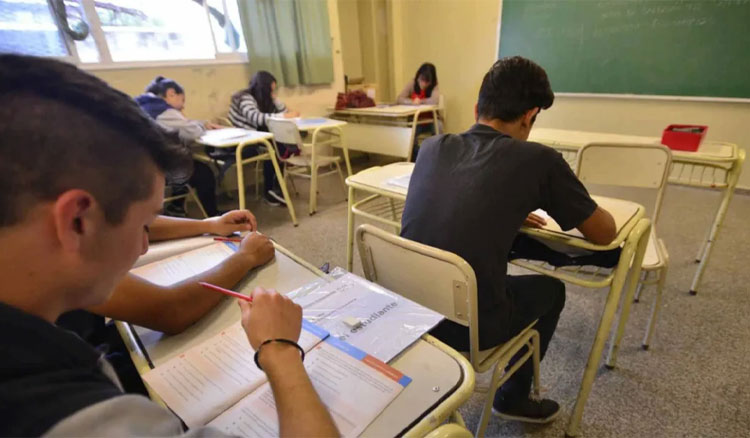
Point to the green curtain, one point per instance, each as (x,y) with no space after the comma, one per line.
(289,38)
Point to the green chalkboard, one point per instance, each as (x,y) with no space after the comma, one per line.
(649,47)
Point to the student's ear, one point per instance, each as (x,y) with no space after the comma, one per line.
(169,93)
(74,218)
(528,118)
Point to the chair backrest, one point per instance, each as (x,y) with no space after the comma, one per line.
(636,166)
(436,279)
(285,131)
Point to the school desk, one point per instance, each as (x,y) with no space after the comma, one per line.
(248,139)
(385,129)
(715,165)
(442,378)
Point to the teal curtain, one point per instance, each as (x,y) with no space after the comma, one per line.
(289,38)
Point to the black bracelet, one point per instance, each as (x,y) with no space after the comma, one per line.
(283,341)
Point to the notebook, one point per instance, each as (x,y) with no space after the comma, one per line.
(176,261)
(217,383)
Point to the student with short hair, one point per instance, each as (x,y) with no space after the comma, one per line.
(164,101)
(471,192)
(250,109)
(423,90)
(76,203)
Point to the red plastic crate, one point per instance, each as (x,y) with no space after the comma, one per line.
(684,137)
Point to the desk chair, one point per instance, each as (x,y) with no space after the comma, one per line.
(640,167)
(308,163)
(450,430)
(189,196)
(445,283)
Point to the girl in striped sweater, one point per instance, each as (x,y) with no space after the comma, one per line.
(250,109)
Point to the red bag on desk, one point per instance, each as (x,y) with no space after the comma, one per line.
(353,99)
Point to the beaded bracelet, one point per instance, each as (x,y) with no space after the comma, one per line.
(283,341)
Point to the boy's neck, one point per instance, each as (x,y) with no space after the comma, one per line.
(513,129)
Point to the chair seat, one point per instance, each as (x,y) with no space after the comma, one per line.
(655,252)
(304,160)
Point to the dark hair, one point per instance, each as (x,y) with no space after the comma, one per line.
(427,72)
(260,88)
(512,87)
(160,85)
(61,128)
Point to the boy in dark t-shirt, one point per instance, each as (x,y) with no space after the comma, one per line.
(470,193)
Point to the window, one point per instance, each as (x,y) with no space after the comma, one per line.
(120,32)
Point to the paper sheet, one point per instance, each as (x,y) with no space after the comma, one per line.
(168,248)
(203,382)
(400,181)
(354,394)
(180,267)
(219,135)
(389,322)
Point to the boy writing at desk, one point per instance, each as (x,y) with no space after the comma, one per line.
(76,199)
(470,193)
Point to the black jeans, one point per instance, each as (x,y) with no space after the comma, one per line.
(534,297)
(204,182)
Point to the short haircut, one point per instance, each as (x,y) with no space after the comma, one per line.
(160,85)
(512,87)
(63,129)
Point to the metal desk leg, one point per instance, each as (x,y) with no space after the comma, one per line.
(602,332)
(634,276)
(282,182)
(718,221)
(350,231)
(241,173)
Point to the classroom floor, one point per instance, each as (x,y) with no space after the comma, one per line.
(695,379)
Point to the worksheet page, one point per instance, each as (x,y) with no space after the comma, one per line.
(206,380)
(354,386)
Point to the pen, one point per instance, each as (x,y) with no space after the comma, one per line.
(226,291)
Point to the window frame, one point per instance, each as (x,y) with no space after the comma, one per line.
(105,57)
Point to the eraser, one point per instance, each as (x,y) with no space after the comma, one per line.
(352,322)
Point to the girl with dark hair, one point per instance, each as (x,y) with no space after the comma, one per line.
(164,101)
(423,90)
(250,109)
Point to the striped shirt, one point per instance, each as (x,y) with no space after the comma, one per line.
(244,113)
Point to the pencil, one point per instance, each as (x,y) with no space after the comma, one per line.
(226,291)
(227,239)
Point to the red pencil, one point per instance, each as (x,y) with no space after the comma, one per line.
(226,291)
(227,239)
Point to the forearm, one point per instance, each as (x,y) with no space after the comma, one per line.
(300,411)
(174,308)
(166,228)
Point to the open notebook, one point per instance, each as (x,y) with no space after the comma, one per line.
(218,384)
(181,259)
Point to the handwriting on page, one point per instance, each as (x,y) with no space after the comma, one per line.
(183,266)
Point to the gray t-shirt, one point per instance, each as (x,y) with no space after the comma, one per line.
(470,193)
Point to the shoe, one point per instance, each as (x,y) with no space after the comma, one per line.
(529,411)
(175,209)
(274,198)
